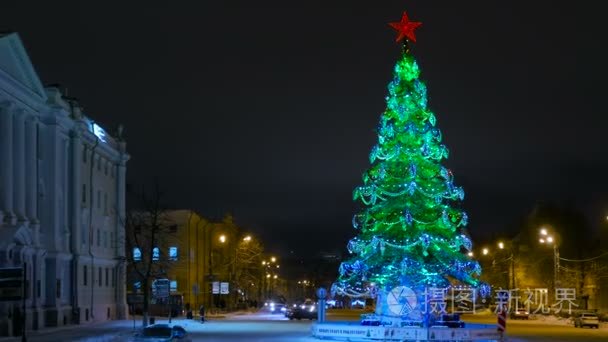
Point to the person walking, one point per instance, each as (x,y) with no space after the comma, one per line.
(201,312)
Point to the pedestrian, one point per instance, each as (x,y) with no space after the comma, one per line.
(201,313)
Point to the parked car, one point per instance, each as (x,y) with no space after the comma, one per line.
(162,333)
(588,319)
(302,311)
(519,314)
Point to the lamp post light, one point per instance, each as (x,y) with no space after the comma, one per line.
(222,239)
(510,273)
(547,239)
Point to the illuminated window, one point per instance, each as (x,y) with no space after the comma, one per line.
(173,253)
(136,254)
(155,254)
(173,286)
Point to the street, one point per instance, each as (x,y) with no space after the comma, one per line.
(266,327)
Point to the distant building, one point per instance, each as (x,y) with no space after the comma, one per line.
(190,253)
(62,190)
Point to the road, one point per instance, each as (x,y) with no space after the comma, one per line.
(274,328)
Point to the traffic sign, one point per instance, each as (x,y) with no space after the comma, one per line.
(215,287)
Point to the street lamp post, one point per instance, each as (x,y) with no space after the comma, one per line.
(547,238)
(222,239)
(510,272)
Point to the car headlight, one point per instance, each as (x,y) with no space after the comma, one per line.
(283,309)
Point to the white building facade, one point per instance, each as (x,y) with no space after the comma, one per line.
(62,203)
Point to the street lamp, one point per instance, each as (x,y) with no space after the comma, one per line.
(548,239)
(485,251)
(222,238)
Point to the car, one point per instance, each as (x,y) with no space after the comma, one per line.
(275,307)
(519,314)
(162,333)
(587,319)
(302,311)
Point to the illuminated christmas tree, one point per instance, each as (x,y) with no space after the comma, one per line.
(411,229)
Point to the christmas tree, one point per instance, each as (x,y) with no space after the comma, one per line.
(411,229)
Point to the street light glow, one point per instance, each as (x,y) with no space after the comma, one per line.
(543,231)
(501,245)
(273,259)
(222,238)
(485,251)
(470,254)
(275,276)
(264,262)
(541,240)
(247,238)
(549,239)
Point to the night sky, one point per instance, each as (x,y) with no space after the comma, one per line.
(267,109)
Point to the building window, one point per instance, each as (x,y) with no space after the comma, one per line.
(58,288)
(136,254)
(98,199)
(137,286)
(105,239)
(173,253)
(173,286)
(105,168)
(99,164)
(107,277)
(85,275)
(84,154)
(98,237)
(84,193)
(155,254)
(99,276)
(38,288)
(105,203)
(113,277)
(83,233)
(113,170)
(111,239)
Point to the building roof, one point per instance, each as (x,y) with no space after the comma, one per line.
(16,65)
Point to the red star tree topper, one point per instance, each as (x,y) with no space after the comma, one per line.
(405,28)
